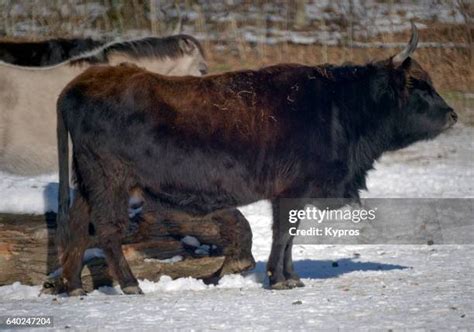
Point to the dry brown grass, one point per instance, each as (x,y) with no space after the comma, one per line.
(450,69)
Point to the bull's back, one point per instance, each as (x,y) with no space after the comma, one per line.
(233,107)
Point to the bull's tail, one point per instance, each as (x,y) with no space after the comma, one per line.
(63,194)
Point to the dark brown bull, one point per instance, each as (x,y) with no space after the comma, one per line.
(203,144)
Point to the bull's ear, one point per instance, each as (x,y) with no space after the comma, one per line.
(403,58)
(380,87)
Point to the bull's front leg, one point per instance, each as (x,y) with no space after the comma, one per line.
(280,269)
(292,278)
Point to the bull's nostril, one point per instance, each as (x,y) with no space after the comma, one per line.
(454,116)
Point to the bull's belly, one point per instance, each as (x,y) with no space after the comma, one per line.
(198,187)
(196,203)
(203,198)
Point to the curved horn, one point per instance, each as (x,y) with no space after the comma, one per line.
(410,48)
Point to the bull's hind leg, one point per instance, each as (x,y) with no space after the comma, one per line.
(236,239)
(72,244)
(280,264)
(109,213)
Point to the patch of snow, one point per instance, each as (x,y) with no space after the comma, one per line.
(191,241)
(252,280)
(34,195)
(166,284)
(92,253)
(105,290)
(135,206)
(203,250)
(17,291)
(89,254)
(174,259)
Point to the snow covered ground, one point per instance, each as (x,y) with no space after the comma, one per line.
(347,287)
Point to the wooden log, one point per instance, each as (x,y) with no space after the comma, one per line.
(28,253)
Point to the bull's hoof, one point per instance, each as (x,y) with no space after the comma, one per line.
(281,285)
(132,290)
(287,284)
(77,292)
(295,283)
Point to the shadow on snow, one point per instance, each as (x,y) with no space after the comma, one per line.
(322,269)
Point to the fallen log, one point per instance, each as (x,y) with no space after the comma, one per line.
(153,246)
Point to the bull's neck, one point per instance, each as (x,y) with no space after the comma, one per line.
(364,121)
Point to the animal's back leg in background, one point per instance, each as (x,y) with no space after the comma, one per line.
(73,243)
(109,214)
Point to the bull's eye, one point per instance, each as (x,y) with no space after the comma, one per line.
(424,86)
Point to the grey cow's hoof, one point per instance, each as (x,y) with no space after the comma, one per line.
(77,292)
(287,284)
(132,290)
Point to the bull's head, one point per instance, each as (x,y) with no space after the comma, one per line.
(424,113)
